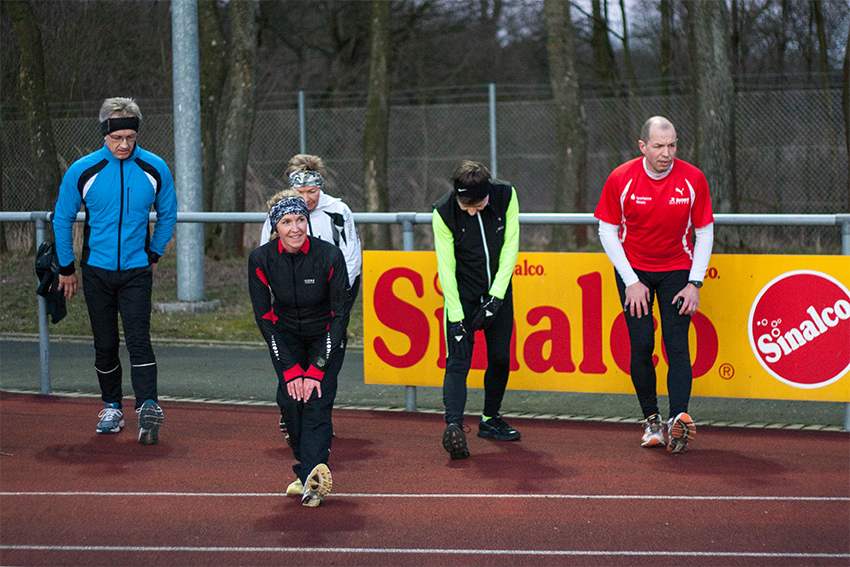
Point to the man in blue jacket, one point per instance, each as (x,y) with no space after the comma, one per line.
(118,185)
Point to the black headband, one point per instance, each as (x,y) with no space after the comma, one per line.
(477,192)
(111,125)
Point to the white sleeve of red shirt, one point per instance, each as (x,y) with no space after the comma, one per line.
(614,249)
(702,251)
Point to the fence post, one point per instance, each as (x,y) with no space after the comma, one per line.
(302,122)
(407,220)
(187,148)
(845,250)
(494,157)
(43,325)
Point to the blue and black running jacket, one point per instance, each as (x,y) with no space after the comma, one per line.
(118,196)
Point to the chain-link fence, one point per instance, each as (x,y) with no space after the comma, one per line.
(789,154)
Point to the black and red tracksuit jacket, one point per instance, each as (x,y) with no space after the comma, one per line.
(300,296)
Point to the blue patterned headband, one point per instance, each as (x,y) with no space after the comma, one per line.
(287,206)
(306,178)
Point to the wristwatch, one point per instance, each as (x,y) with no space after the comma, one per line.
(696,283)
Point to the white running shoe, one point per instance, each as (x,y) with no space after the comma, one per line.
(653,432)
(111,419)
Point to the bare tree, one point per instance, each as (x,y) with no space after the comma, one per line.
(213,75)
(714,98)
(235,138)
(31,88)
(627,50)
(823,59)
(845,105)
(666,45)
(376,132)
(603,53)
(571,152)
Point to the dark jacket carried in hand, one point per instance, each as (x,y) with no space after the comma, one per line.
(47,271)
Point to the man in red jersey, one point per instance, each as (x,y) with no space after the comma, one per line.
(657,228)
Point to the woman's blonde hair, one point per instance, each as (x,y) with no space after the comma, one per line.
(306,162)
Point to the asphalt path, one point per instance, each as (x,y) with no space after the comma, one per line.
(227,372)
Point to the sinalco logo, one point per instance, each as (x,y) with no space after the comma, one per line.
(799,329)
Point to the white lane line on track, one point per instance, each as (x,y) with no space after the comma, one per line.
(532,552)
(489,496)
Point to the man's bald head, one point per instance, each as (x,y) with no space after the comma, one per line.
(660,123)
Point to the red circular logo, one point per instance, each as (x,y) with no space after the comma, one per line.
(799,329)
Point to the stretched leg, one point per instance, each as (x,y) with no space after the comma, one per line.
(454,385)
(317,421)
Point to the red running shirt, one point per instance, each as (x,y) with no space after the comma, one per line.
(656,217)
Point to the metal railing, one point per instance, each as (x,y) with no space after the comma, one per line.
(408,220)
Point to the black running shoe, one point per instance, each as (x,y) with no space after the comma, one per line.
(454,441)
(498,429)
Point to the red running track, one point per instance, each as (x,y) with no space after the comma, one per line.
(578,493)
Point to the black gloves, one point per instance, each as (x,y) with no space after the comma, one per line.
(460,343)
(486,314)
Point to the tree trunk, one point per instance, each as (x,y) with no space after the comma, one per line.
(235,139)
(571,151)
(376,131)
(4,246)
(845,105)
(666,50)
(213,58)
(603,53)
(823,59)
(45,165)
(627,50)
(714,99)
(714,108)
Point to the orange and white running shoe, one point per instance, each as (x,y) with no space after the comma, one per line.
(680,432)
(653,432)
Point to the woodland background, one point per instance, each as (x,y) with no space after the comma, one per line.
(396,92)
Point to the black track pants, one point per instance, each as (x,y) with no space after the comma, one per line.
(127,292)
(309,423)
(674,331)
(498,340)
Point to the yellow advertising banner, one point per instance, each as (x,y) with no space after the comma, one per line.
(770,327)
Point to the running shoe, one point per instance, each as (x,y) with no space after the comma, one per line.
(285,431)
(680,431)
(150,420)
(111,419)
(497,428)
(454,441)
(319,483)
(653,432)
(295,488)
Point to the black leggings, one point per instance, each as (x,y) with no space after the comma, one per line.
(674,332)
(498,340)
(127,292)
(309,423)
